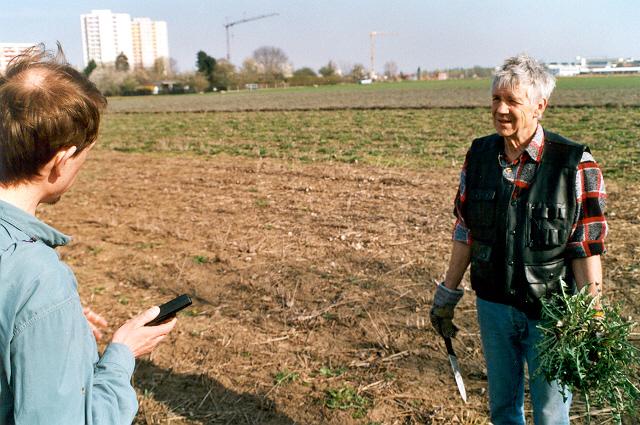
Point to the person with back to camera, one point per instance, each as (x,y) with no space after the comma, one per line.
(530,212)
(50,371)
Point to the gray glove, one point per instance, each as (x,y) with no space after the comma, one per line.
(441,314)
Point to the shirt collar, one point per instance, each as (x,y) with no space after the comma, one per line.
(31,226)
(535,147)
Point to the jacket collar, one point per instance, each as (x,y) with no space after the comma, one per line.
(31,226)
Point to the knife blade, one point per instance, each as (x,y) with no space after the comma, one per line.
(453,359)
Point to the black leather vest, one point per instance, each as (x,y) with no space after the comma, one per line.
(517,254)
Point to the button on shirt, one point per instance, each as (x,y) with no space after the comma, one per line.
(589,225)
(50,371)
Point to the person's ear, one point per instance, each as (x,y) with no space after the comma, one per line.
(60,160)
(540,107)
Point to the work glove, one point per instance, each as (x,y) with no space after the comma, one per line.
(441,314)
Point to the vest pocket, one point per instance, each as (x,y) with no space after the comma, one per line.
(481,265)
(546,226)
(481,208)
(544,279)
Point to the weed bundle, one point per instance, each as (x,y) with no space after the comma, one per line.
(587,350)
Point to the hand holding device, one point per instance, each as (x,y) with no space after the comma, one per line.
(169,309)
(142,339)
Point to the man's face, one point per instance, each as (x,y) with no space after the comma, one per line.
(514,114)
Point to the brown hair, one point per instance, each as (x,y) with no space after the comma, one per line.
(45,105)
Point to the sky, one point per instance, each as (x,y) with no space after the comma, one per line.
(431,34)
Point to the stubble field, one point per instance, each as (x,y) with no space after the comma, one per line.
(311,241)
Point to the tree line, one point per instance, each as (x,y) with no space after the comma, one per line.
(268,66)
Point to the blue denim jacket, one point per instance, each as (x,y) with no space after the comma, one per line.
(50,371)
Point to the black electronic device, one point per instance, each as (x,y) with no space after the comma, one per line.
(169,309)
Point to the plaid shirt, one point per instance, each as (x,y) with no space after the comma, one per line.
(589,224)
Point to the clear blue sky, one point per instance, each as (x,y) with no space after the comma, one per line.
(431,33)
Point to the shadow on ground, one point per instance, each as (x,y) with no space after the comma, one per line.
(200,398)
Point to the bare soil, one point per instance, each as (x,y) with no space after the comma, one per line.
(306,278)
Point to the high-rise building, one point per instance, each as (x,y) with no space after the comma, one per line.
(105,35)
(9,51)
(150,42)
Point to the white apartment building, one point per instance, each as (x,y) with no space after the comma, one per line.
(105,35)
(10,50)
(150,42)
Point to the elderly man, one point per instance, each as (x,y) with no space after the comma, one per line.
(50,371)
(529,213)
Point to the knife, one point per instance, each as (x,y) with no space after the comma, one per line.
(456,370)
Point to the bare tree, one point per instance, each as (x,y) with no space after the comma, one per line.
(108,80)
(173,66)
(161,68)
(249,72)
(358,72)
(271,61)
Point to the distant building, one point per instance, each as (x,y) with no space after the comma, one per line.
(150,42)
(564,69)
(594,66)
(105,35)
(9,51)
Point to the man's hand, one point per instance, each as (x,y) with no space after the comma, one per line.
(441,314)
(143,339)
(96,322)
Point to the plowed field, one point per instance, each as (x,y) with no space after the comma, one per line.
(312,277)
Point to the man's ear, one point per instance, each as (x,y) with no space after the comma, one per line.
(59,161)
(540,107)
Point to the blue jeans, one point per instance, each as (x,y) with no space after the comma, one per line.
(509,340)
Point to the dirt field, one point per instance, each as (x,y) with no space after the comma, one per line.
(312,284)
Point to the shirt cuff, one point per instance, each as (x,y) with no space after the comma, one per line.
(461,233)
(121,355)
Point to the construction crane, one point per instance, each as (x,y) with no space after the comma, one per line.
(242,21)
(373,35)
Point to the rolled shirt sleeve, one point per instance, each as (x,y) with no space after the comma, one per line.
(461,232)
(590,225)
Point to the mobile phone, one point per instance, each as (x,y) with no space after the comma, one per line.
(169,309)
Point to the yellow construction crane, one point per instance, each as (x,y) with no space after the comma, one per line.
(241,21)
(373,35)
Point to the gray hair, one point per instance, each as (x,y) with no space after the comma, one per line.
(525,71)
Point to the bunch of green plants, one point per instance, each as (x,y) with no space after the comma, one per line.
(586,348)
(347,398)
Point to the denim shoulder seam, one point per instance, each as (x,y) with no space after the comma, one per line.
(18,329)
